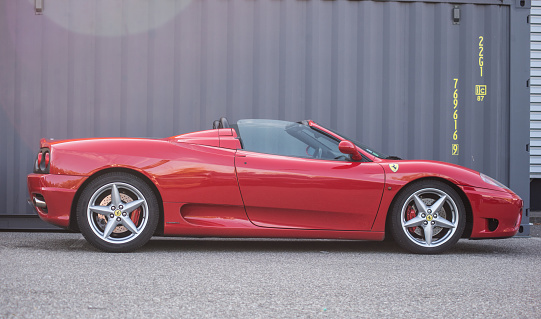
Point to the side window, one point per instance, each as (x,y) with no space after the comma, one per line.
(288,139)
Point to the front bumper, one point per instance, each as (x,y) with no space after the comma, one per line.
(52,196)
(496,214)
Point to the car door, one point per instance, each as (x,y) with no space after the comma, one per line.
(305,188)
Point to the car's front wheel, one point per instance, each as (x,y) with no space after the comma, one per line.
(428,217)
(117,212)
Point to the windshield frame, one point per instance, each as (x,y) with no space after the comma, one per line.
(362,146)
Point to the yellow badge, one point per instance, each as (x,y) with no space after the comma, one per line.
(118,212)
(393,167)
(429,217)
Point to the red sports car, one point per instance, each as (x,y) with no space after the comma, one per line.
(263,178)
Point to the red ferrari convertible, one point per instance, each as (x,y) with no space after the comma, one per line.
(263,178)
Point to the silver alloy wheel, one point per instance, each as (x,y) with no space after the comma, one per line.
(117,213)
(442,213)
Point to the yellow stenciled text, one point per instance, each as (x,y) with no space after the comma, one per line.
(455,117)
(481,48)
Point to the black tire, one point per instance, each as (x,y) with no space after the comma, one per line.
(427,227)
(113,224)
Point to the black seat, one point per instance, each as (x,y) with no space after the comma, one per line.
(223,123)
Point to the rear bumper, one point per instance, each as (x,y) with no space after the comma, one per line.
(496,214)
(52,196)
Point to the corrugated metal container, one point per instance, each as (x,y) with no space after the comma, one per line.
(432,80)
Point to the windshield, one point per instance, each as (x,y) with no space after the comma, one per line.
(362,146)
(297,139)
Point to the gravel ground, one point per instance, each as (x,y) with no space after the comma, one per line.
(49,275)
(535,230)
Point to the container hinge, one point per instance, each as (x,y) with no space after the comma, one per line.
(456,14)
(528,147)
(523,4)
(38,7)
(528,83)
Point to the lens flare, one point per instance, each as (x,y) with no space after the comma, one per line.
(112,18)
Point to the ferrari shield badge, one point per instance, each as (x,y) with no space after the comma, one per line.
(393,167)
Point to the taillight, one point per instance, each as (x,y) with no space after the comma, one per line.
(42,162)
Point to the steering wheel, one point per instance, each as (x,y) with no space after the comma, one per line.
(318,153)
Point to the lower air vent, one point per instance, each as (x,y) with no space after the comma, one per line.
(493,224)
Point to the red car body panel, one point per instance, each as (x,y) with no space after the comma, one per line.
(59,191)
(486,202)
(289,192)
(209,186)
(489,205)
(232,222)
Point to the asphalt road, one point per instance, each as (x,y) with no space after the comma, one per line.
(60,275)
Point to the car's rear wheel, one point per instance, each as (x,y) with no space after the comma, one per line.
(117,212)
(428,217)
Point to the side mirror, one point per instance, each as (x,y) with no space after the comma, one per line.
(349,148)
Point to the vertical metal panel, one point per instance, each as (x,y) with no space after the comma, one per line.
(8,69)
(136,100)
(519,73)
(108,79)
(381,72)
(82,71)
(162,75)
(240,64)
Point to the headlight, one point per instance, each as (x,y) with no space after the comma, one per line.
(492,181)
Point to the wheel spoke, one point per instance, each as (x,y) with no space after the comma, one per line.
(111,224)
(131,206)
(429,231)
(416,221)
(115,196)
(438,204)
(128,223)
(421,206)
(104,210)
(442,222)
